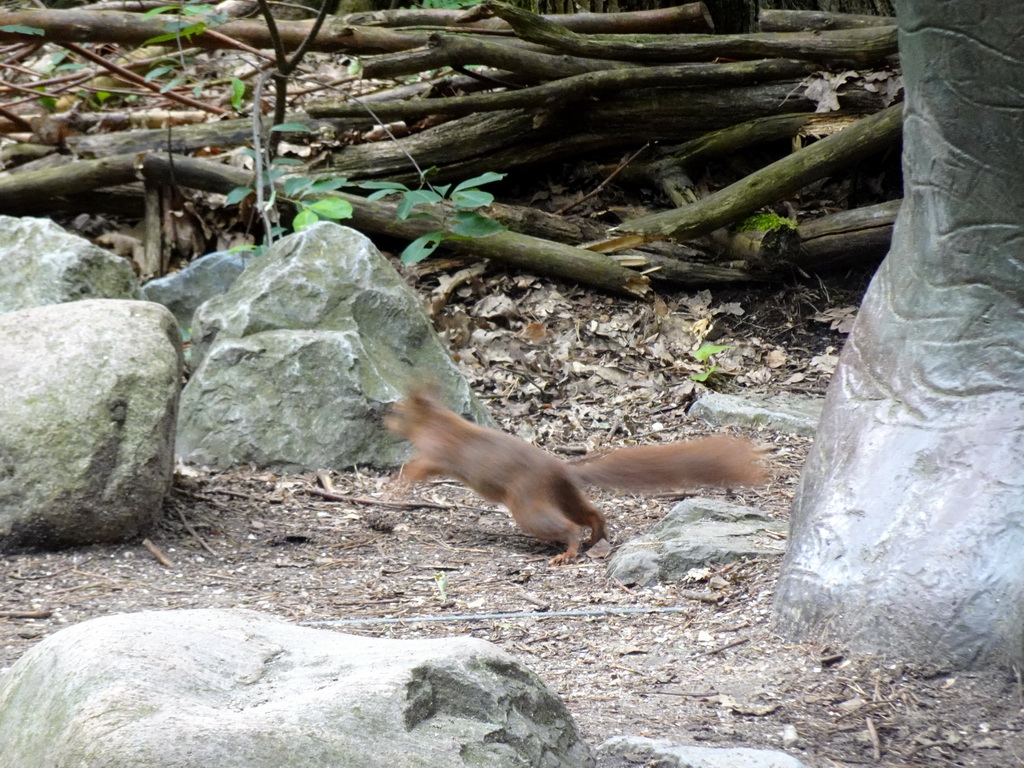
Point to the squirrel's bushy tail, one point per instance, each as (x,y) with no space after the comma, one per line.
(717,460)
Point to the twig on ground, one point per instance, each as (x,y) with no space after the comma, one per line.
(195,534)
(378,502)
(727,646)
(155,551)
(25,614)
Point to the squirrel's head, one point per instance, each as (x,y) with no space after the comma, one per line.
(406,414)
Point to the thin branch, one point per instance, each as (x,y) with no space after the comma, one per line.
(325,6)
(275,35)
(231,42)
(597,190)
(17,119)
(130,76)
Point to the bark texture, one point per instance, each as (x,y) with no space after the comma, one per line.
(908,527)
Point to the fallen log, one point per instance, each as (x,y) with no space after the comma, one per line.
(464,50)
(529,254)
(855,46)
(525,253)
(582,87)
(670,169)
(29,190)
(133,29)
(776,181)
(499,140)
(771,20)
(691,17)
(847,239)
(462,148)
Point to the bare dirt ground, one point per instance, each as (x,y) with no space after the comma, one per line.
(696,662)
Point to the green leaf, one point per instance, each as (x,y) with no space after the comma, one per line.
(332,208)
(470,224)
(294,186)
(242,249)
(156,72)
(329,185)
(197,9)
(707,350)
(177,30)
(48,103)
(306,218)
(292,128)
(380,194)
(703,376)
(237,94)
(157,11)
(468,199)
(237,195)
(21,29)
(415,197)
(421,247)
(484,178)
(172,84)
(178,25)
(390,186)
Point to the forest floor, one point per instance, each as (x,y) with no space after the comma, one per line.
(571,370)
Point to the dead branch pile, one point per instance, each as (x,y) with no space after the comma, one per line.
(109,110)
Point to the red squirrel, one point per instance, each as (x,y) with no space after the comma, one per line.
(543,493)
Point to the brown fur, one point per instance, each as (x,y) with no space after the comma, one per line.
(543,493)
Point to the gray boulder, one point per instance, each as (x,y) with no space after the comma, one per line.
(88,393)
(206,277)
(297,362)
(696,532)
(42,264)
(236,689)
(793,414)
(636,750)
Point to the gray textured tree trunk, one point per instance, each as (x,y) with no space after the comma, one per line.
(908,527)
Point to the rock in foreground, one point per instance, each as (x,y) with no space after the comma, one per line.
(237,689)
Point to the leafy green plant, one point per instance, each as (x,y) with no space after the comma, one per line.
(460,220)
(194,18)
(237,94)
(705,352)
(441,583)
(298,190)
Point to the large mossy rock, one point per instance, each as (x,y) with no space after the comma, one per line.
(88,393)
(300,359)
(42,264)
(236,689)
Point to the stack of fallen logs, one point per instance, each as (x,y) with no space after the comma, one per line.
(510,89)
